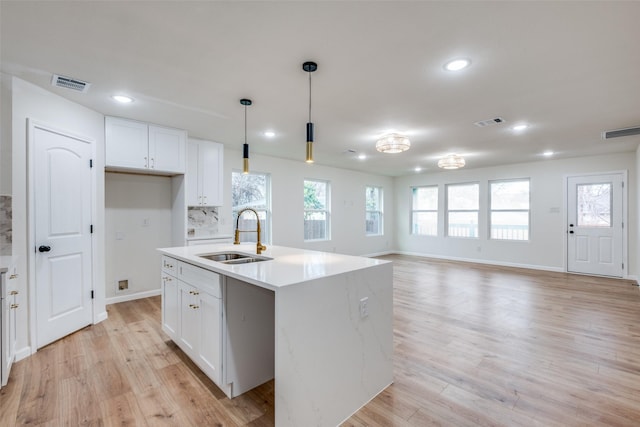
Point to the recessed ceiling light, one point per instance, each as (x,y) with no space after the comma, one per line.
(269,134)
(457,64)
(362,156)
(418,169)
(122,99)
(518,128)
(548,153)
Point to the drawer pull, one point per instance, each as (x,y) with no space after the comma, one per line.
(13,293)
(13,306)
(193,306)
(13,276)
(194,293)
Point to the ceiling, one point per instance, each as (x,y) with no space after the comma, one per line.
(569,70)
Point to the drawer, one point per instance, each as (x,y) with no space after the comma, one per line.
(205,280)
(169,265)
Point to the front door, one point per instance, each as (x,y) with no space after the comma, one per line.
(595,224)
(62,182)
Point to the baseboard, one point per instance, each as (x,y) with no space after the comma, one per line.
(23,353)
(379,254)
(484,261)
(131,297)
(100,317)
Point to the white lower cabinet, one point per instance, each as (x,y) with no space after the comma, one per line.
(195,306)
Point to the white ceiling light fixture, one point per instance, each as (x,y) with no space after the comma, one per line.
(393,143)
(451,161)
(417,169)
(548,153)
(520,127)
(457,64)
(123,99)
(269,134)
(362,156)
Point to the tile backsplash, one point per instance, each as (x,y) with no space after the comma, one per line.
(202,220)
(5,225)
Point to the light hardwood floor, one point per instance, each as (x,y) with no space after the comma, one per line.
(474,345)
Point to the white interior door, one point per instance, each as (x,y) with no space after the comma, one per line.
(595,224)
(62,233)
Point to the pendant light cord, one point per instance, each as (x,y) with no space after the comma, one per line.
(309,96)
(245,124)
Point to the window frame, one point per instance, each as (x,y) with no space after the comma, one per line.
(414,211)
(448,211)
(326,210)
(380,212)
(491,210)
(266,226)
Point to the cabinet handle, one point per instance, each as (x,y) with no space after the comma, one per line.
(13,293)
(153,163)
(194,293)
(13,306)
(13,276)
(205,200)
(146,163)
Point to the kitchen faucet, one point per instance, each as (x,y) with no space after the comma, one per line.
(259,246)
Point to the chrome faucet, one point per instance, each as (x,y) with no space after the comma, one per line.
(259,246)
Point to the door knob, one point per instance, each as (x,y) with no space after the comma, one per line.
(44,248)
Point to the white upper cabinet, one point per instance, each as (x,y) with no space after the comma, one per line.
(139,146)
(204,173)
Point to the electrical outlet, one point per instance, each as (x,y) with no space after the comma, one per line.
(123,285)
(364,307)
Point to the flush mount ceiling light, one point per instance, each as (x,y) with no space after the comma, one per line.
(269,134)
(309,67)
(393,143)
(457,64)
(548,153)
(451,161)
(520,127)
(245,146)
(123,99)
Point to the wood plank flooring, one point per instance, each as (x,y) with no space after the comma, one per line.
(474,345)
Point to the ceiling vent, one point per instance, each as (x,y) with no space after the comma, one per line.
(69,83)
(608,134)
(490,122)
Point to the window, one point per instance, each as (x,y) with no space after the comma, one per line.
(253,191)
(594,205)
(510,209)
(373,199)
(316,210)
(462,210)
(424,211)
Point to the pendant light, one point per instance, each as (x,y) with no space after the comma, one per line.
(451,161)
(309,67)
(245,146)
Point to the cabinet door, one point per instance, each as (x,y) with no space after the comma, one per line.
(210,348)
(188,323)
(167,149)
(194,196)
(126,143)
(211,159)
(170,305)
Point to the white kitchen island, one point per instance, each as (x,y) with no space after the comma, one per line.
(332,326)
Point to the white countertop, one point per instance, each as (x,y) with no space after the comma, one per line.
(289,266)
(209,236)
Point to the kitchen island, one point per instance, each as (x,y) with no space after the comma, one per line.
(330,331)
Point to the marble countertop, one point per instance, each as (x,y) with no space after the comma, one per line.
(288,266)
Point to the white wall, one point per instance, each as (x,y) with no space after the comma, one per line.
(30,101)
(347,204)
(545,250)
(5,134)
(138,220)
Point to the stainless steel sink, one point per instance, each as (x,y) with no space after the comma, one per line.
(220,257)
(233,257)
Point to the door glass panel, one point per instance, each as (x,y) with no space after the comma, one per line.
(594,205)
